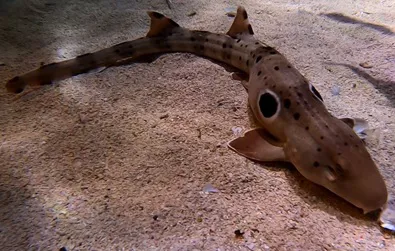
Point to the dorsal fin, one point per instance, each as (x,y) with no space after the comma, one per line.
(241,26)
(160,24)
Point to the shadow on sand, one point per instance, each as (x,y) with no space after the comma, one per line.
(350,20)
(386,87)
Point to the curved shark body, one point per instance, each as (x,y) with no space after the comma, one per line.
(294,124)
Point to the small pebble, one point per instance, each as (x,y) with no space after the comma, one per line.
(251,246)
(239,234)
(192,14)
(366,65)
(336,90)
(237,130)
(164,116)
(230,11)
(208,188)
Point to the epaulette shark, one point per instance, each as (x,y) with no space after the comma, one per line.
(294,124)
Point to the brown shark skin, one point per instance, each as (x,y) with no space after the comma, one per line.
(324,149)
(219,47)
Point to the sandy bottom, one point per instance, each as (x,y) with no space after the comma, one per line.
(117,160)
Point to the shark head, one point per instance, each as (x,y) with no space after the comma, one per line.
(337,159)
(296,127)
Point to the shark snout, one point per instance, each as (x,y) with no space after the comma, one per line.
(349,173)
(363,187)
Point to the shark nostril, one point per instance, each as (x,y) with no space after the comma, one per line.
(330,173)
(339,169)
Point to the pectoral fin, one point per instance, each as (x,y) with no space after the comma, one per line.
(242,77)
(256,144)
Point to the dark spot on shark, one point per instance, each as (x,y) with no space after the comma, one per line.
(299,94)
(83,56)
(228,56)
(245,16)
(88,61)
(259,73)
(306,128)
(296,116)
(47,66)
(240,58)
(265,77)
(247,63)
(256,43)
(80,71)
(202,47)
(17,81)
(316,164)
(157,15)
(318,149)
(206,39)
(258,59)
(238,40)
(230,46)
(288,66)
(322,137)
(193,39)
(250,29)
(268,105)
(18,90)
(224,45)
(276,68)
(287,103)
(345,143)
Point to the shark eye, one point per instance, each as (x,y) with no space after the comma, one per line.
(268,104)
(315,92)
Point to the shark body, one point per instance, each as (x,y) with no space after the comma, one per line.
(294,125)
